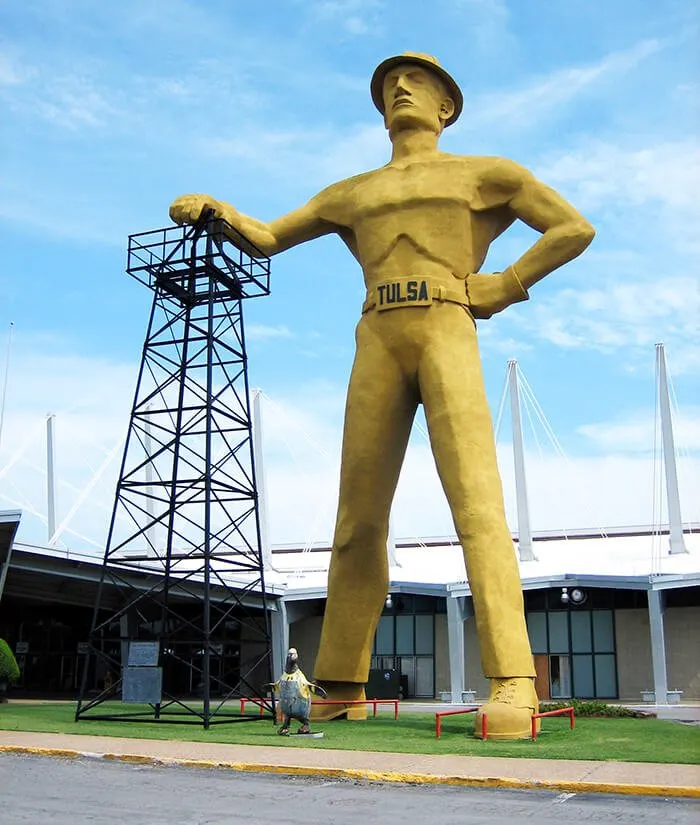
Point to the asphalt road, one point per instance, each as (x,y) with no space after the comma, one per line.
(39,789)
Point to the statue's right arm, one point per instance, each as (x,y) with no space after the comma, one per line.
(303,224)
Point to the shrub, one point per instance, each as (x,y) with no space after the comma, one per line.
(592,707)
(9,671)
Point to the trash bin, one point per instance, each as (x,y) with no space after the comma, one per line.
(383,684)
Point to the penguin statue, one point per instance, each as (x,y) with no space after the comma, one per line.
(295,692)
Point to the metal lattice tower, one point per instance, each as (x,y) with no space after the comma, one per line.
(181,624)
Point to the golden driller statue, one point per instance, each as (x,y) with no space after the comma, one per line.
(420,228)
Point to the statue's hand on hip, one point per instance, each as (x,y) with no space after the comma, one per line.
(491,293)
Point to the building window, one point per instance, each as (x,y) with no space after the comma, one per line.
(405,642)
(574,650)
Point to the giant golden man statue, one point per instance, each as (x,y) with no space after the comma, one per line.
(420,228)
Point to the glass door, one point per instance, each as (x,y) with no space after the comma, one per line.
(560,677)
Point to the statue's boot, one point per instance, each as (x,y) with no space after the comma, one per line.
(324,710)
(509,709)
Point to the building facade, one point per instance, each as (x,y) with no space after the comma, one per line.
(609,618)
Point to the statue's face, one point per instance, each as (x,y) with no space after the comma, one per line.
(415,97)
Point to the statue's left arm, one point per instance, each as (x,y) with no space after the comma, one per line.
(565,234)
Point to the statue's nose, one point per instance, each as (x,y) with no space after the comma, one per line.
(401,88)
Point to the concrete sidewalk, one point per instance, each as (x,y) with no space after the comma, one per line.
(575,776)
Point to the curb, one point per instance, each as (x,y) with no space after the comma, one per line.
(682,791)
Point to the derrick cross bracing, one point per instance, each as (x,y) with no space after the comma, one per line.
(181,624)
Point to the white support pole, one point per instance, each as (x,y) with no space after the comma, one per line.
(525,552)
(5,569)
(675,525)
(280,636)
(261,481)
(455,639)
(657,604)
(50,480)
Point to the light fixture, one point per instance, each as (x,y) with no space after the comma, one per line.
(389,601)
(578,596)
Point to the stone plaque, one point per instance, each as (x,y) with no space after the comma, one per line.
(142,685)
(143,654)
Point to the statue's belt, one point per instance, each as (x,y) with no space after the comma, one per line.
(411,292)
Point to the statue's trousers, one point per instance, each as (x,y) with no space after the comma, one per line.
(406,356)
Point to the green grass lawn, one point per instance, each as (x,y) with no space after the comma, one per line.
(630,740)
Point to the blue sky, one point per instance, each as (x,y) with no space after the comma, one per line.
(110,110)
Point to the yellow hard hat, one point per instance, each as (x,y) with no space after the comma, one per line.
(427,61)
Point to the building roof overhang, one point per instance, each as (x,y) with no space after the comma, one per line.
(9,522)
(73,579)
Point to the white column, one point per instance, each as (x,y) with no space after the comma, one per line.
(675,525)
(6,568)
(657,606)
(50,480)
(455,638)
(525,552)
(280,637)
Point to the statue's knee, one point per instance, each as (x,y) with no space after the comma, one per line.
(359,536)
(487,524)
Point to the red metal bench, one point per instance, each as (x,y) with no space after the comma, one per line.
(484,722)
(559,712)
(440,714)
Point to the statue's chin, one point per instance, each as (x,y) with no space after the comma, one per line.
(406,119)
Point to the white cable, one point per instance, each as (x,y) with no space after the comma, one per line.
(86,491)
(422,430)
(16,457)
(22,504)
(320,450)
(540,414)
(529,395)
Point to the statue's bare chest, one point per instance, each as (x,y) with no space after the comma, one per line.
(394,191)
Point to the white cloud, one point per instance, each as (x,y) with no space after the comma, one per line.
(43,208)
(262,332)
(491,339)
(640,283)
(70,100)
(319,156)
(635,432)
(629,317)
(11,72)
(357,17)
(525,107)
(487,22)
(652,187)
(73,102)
